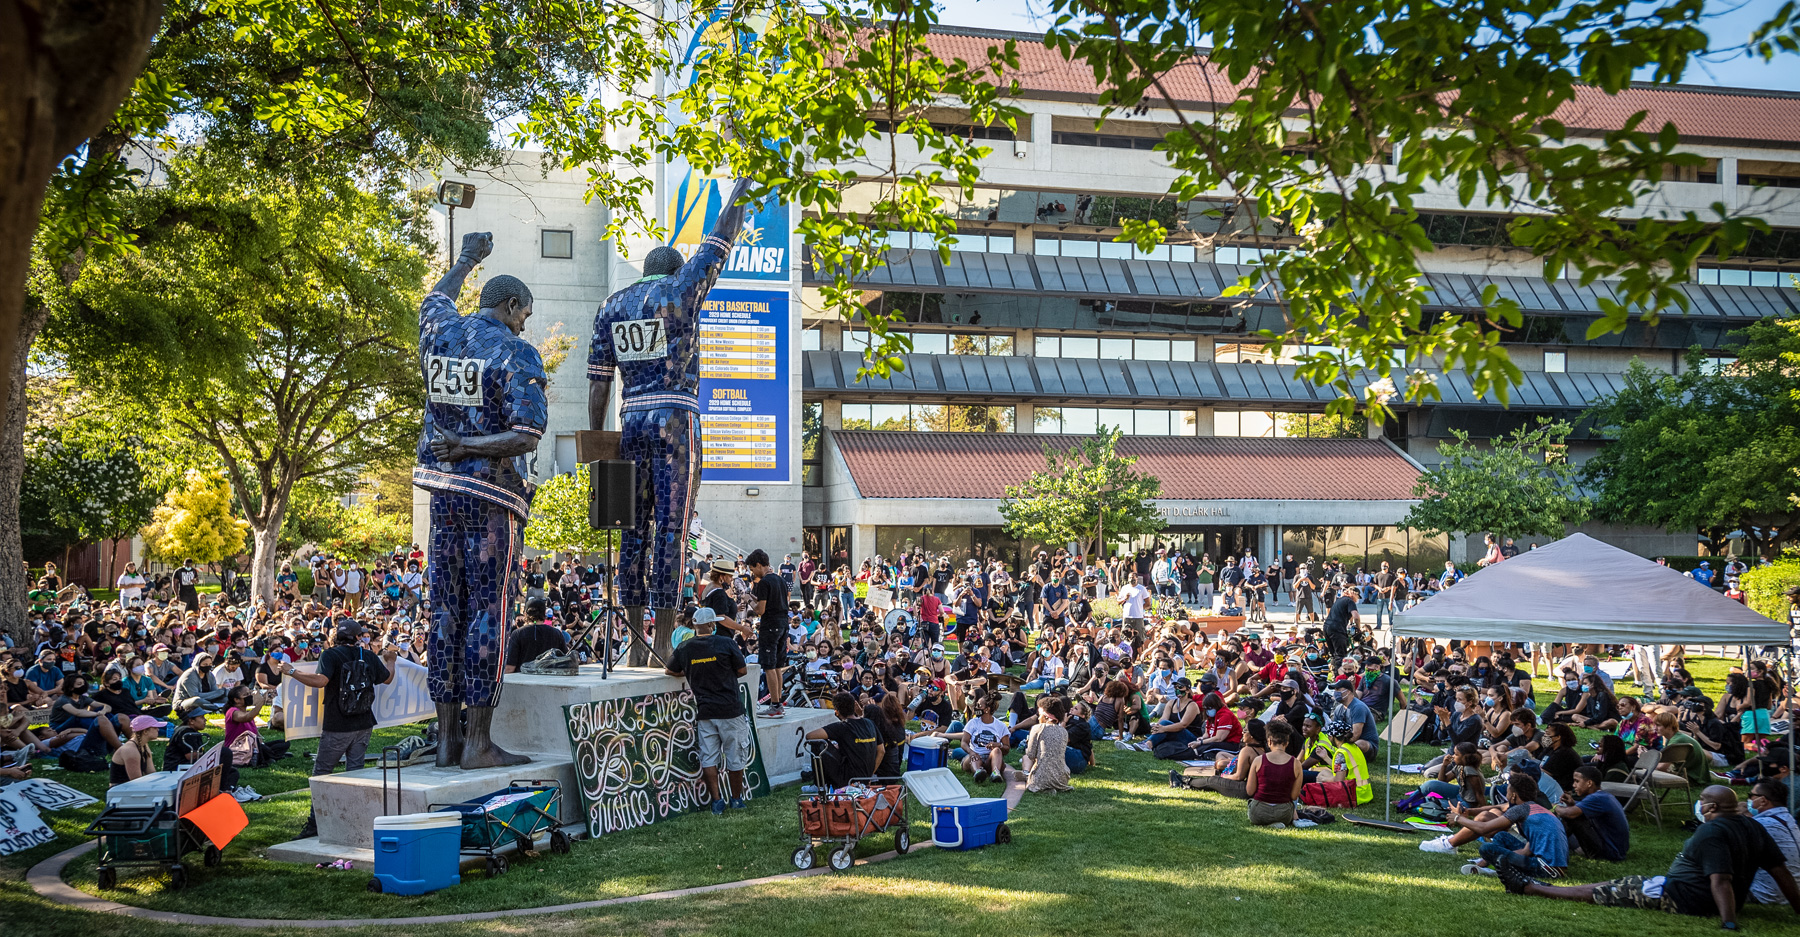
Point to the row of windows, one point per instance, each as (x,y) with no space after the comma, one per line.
(1083,247)
(939,343)
(1108,140)
(1138,349)
(1086,421)
(1074,421)
(1730,276)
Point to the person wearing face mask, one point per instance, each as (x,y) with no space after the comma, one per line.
(1768,806)
(1568,699)
(162,671)
(1358,714)
(75,709)
(196,683)
(1712,876)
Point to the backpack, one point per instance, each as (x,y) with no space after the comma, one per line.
(356,687)
(1317,815)
(82,761)
(1435,808)
(1170,751)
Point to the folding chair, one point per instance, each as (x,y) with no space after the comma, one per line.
(1676,756)
(1637,787)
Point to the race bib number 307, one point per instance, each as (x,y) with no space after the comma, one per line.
(455,381)
(640,340)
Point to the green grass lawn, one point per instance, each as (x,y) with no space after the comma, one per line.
(1123,854)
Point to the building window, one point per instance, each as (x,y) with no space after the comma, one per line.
(810,339)
(812,454)
(1135,349)
(975,242)
(1717,364)
(565,453)
(940,343)
(1556,362)
(1742,276)
(557,245)
(1092,247)
(922,418)
(1086,421)
(1244,255)
(1108,140)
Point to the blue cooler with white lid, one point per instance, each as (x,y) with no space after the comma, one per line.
(417,852)
(958,821)
(927,752)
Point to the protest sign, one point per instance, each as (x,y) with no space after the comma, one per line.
(49,795)
(21,826)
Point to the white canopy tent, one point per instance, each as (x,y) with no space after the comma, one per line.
(1578,590)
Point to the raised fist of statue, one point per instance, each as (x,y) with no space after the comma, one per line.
(477,245)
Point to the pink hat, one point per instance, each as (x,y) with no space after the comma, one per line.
(141,723)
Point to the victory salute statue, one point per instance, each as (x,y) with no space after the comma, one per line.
(650,332)
(484,415)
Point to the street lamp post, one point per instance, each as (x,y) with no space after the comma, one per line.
(454,195)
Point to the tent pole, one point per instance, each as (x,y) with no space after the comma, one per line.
(1387,797)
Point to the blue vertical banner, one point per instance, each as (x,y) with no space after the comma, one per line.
(744,392)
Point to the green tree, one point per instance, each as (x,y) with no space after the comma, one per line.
(1326,125)
(1709,449)
(195,520)
(1522,485)
(1765,587)
(281,316)
(365,532)
(1085,494)
(559,516)
(379,92)
(97,490)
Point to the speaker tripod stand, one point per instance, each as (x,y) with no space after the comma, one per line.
(599,637)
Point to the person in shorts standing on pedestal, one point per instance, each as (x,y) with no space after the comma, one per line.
(712,665)
(770,592)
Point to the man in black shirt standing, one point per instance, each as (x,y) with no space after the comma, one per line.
(712,665)
(1337,624)
(856,745)
(345,736)
(771,595)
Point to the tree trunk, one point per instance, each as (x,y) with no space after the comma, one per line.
(68,65)
(264,537)
(14,617)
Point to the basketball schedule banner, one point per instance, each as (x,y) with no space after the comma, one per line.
(744,405)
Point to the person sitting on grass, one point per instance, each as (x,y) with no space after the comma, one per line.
(1594,819)
(1459,778)
(1611,759)
(1044,760)
(1221,731)
(1768,804)
(984,743)
(1474,823)
(1598,708)
(1712,875)
(133,759)
(1231,769)
(1274,781)
(1543,850)
(1175,723)
(1348,763)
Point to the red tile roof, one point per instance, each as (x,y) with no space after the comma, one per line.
(1698,112)
(1191,468)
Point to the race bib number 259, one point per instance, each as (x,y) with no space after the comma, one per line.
(640,340)
(455,381)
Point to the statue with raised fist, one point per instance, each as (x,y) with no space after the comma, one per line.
(484,416)
(648,334)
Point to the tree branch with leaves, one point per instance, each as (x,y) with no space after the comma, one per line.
(1084,494)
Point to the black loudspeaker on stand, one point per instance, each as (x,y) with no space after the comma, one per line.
(612,494)
(612,504)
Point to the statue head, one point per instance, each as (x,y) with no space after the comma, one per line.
(507,299)
(662,261)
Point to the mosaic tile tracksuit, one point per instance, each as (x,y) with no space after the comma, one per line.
(480,380)
(650,331)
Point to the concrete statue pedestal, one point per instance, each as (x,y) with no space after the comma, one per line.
(529,720)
